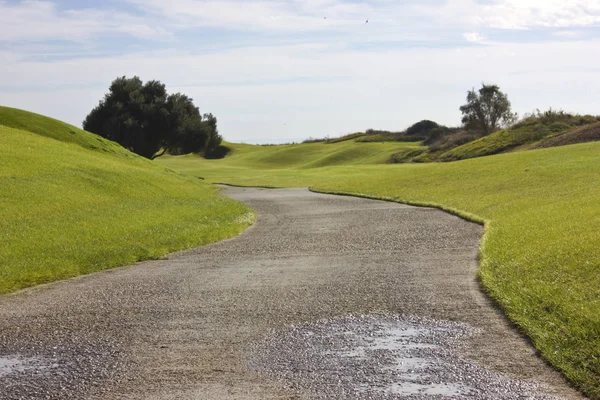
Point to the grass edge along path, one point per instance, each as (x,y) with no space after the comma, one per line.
(539,257)
(556,327)
(68,210)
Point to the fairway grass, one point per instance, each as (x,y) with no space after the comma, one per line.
(540,259)
(72,207)
(313,155)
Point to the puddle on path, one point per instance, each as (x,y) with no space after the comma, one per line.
(15,364)
(383,357)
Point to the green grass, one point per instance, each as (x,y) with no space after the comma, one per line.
(55,129)
(519,136)
(73,204)
(540,259)
(307,155)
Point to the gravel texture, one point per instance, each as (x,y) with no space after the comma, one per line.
(383,357)
(263,315)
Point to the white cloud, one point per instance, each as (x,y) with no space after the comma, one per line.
(515,14)
(315,76)
(41,21)
(291,92)
(298,15)
(474,37)
(259,15)
(569,34)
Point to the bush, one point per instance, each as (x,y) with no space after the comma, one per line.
(422,128)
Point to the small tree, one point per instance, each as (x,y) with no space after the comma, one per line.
(487,109)
(421,128)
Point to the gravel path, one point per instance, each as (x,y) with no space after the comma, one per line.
(325,297)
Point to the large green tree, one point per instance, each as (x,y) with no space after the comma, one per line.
(144,119)
(488,109)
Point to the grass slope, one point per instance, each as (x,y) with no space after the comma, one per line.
(540,258)
(55,129)
(301,156)
(73,203)
(587,133)
(525,134)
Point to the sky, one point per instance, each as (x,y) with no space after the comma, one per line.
(276,71)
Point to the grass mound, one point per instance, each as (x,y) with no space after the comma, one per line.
(540,258)
(72,204)
(305,155)
(527,132)
(587,133)
(55,129)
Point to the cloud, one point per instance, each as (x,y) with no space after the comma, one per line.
(259,15)
(514,14)
(302,15)
(260,64)
(159,19)
(43,21)
(473,37)
(316,90)
(521,14)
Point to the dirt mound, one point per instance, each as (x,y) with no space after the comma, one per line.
(587,133)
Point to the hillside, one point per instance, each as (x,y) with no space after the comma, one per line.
(55,129)
(548,129)
(539,257)
(427,141)
(74,203)
(301,156)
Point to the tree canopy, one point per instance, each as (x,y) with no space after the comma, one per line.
(488,109)
(143,118)
(421,128)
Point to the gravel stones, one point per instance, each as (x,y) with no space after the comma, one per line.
(383,357)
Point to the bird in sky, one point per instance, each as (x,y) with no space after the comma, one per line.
(367,21)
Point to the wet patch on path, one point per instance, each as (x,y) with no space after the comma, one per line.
(383,357)
(17,364)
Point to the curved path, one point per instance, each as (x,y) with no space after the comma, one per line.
(326,296)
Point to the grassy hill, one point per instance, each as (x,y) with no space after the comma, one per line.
(304,156)
(74,203)
(540,258)
(547,129)
(314,155)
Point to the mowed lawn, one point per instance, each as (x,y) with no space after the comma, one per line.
(540,256)
(82,205)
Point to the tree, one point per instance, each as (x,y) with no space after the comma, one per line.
(421,128)
(144,119)
(213,139)
(187,133)
(487,109)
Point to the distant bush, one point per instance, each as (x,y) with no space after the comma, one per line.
(422,128)
(436,134)
(555,116)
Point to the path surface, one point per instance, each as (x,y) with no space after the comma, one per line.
(325,296)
